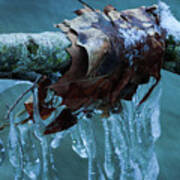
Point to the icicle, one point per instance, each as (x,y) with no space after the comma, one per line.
(87,135)
(2,152)
(48,170)
(31,160)
(84,143)
(155,124)
(77,142)
(78,146)
(127,149)
(55,143)
(15,150)
(108,164)
(152,169)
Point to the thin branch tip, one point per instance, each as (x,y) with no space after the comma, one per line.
(86,5)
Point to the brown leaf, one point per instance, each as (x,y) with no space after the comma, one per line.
(64,121)
(114,76)
(44,110)
(106,65)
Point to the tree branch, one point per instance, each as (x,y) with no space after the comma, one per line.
(22,95)
(25,56)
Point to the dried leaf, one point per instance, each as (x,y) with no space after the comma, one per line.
(112,53)
(64,121)
(44,110)
(115,65)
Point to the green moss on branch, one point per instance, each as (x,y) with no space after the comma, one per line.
(42,53)
(172,56)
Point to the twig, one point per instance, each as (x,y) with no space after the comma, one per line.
(29,76)
(85,4)
(21,96)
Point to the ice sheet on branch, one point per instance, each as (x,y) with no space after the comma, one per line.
(168,21)
(33,52)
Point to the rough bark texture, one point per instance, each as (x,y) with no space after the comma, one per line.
(43,53)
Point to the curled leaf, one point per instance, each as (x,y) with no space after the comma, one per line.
(64,121)
(111,54)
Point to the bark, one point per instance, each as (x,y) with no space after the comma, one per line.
(23,56)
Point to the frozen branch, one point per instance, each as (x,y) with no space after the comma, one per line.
(25,56)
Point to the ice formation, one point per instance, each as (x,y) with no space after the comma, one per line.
(27,48)
(132,36)
(2,152)
(126,150)
(168,21)
(120,146)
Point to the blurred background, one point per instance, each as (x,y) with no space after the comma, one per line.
(40,15)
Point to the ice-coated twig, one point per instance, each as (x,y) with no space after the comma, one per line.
(86,4)
(21,96)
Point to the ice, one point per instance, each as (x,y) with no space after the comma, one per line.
(121,146)
(86,145)
(87,134)
(30,151)
(2,152)
(108,165)
(132,36)
(55,39)
(48,170)
(118,146)
(15,151)
(55,143)
(168,21)
(47,49)
(31,161)
(78,145)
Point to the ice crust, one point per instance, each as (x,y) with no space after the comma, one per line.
(132,36)
(33,52)
(168,21)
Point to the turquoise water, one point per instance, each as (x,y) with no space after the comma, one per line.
(40,15)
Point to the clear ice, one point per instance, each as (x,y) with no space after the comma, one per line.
(125,151)
(2,152)
(120,146)
(168,21)
(30,152)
